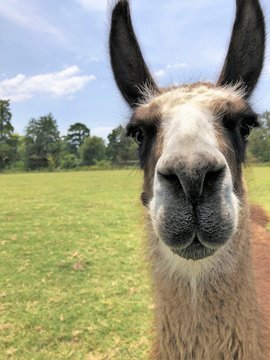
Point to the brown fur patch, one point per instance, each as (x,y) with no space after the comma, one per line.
(228,107)
(149,169)
(146,115)
(226,147)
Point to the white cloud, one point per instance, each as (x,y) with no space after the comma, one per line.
(93,5)
(176,66)
(163,72)
(28,15)
(102,131)
(24,15)
(94,59)
(160,73)
(62,83)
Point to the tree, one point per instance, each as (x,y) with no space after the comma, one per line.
(42,143)
(92,150)
(76,136)
(121,148)
(5,155)
(259,142)
(6,132)
(18,152)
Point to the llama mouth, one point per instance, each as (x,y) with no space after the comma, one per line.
(195,251)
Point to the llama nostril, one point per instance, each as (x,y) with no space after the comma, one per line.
(170,178)
(213,177)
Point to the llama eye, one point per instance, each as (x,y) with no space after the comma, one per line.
(245,131)
(138,136)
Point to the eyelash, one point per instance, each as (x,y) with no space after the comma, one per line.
(245,130)
(138,136)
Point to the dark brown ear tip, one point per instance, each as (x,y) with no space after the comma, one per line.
(121,8)
(129,68)
(245,56)
(121,13)
(251,5)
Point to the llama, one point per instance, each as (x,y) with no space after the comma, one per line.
(191,143)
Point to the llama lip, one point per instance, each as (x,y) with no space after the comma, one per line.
(195,251)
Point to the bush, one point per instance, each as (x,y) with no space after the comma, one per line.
(69,161)
(102,165)
(17,166)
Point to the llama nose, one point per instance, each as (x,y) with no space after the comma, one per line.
(194,181)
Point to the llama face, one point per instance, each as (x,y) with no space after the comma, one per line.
(192,138)
(192,142)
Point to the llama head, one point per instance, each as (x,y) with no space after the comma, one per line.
(192,138)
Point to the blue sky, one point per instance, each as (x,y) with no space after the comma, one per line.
(54,55)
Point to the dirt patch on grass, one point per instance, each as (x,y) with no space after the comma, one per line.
(259,216)
(261,258)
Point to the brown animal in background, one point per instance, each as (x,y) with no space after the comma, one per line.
(192,141)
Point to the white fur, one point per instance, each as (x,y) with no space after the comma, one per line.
(202,94)
(189,132)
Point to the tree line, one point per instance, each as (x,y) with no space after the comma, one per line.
(42,146)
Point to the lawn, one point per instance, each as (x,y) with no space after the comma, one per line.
(73,284)
(258,180)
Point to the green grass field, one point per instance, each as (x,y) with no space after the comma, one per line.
(73,284)
(258,180)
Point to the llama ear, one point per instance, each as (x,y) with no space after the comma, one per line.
(130,71)
(245,57)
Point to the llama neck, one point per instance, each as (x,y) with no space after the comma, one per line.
(220,321)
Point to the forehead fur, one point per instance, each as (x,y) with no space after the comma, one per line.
(217,99)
